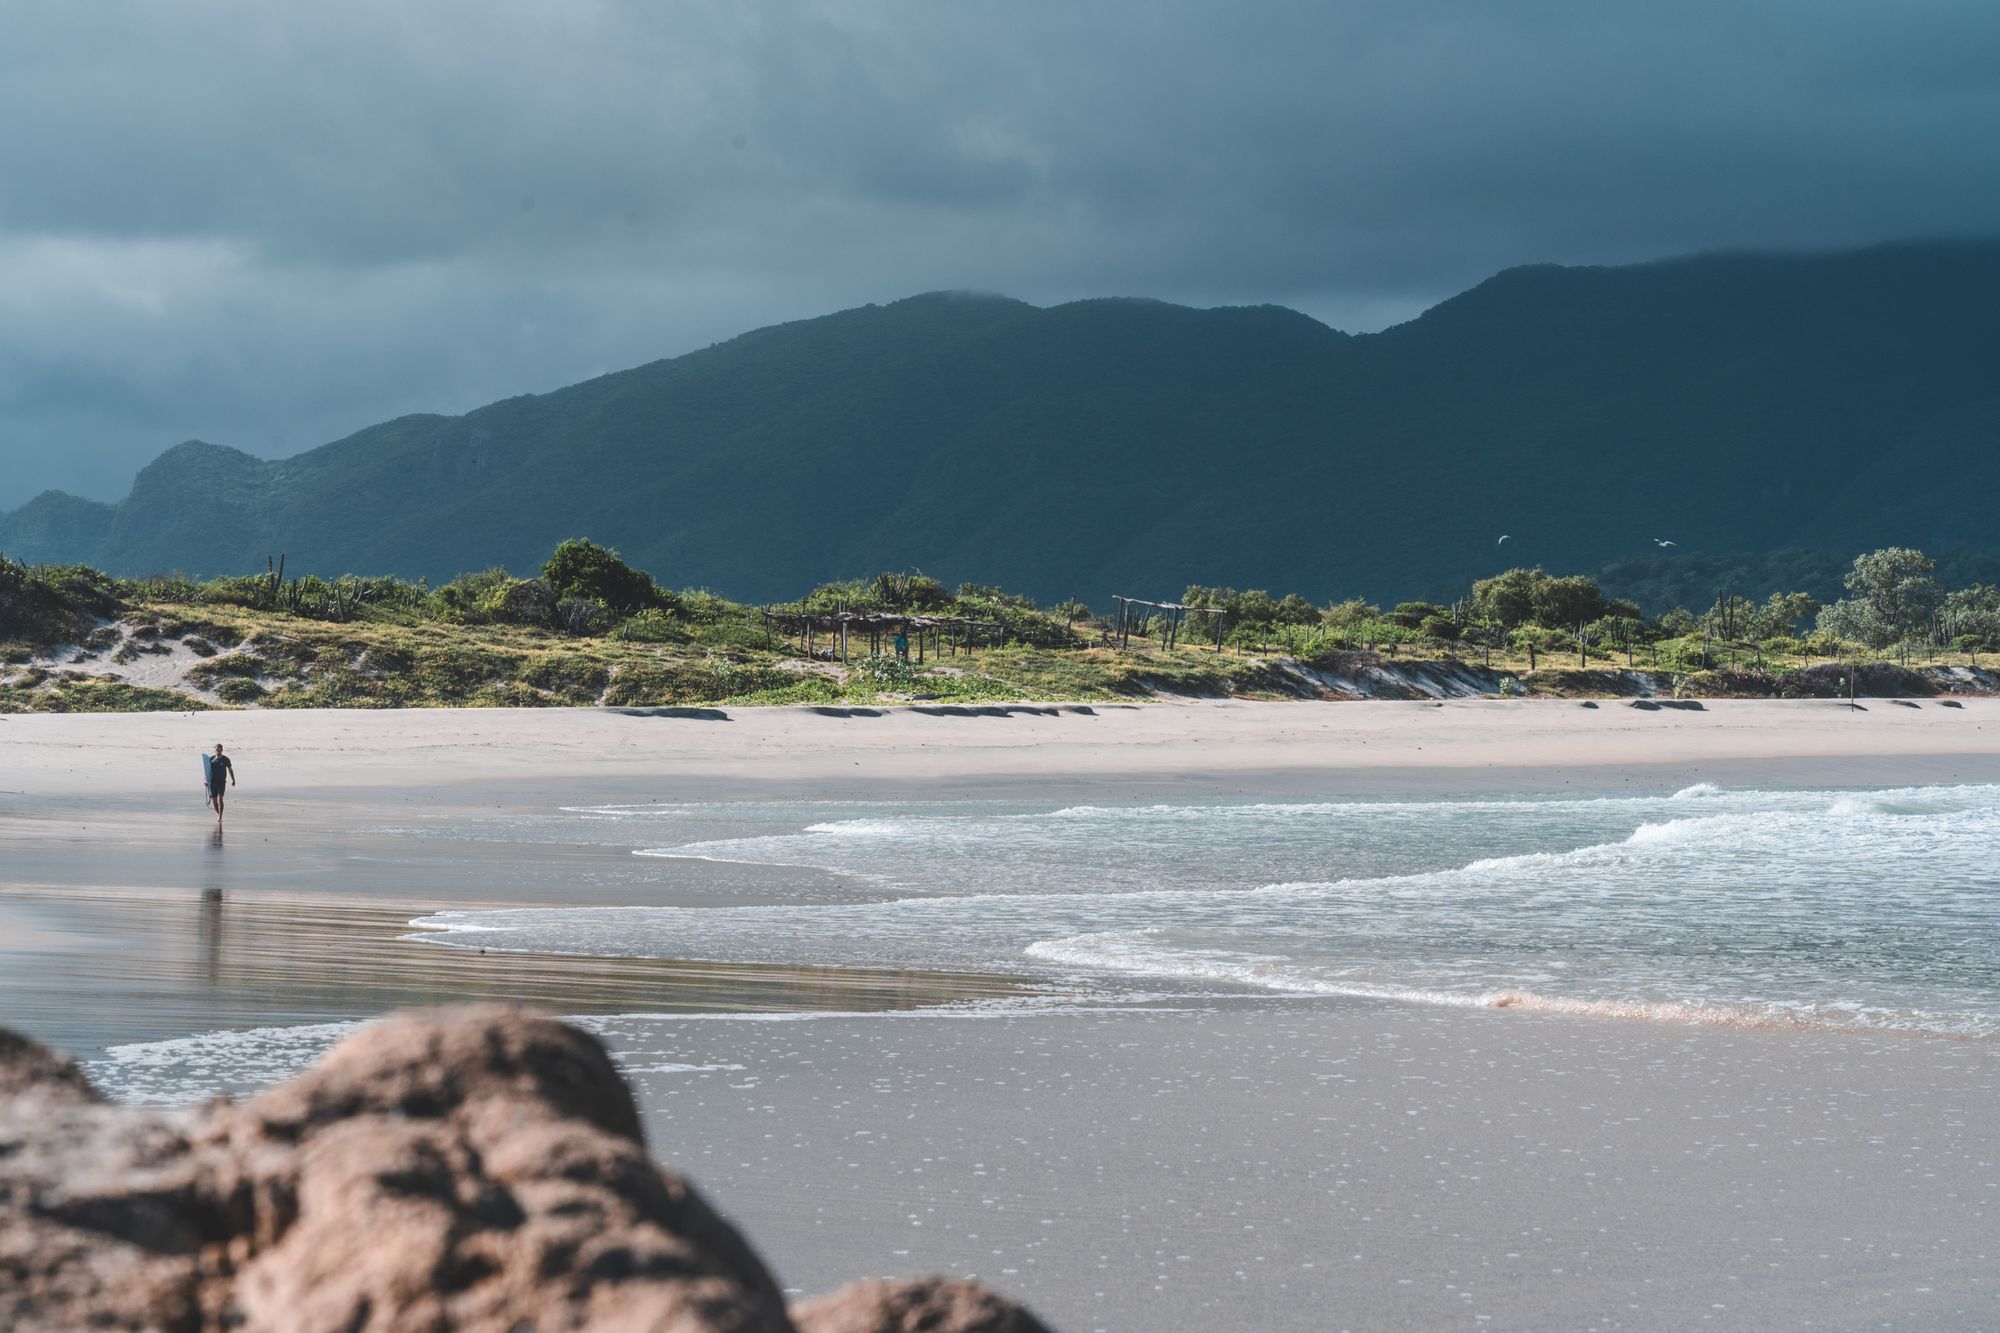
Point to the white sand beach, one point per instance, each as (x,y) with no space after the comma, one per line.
(1190,1158)
(301,750)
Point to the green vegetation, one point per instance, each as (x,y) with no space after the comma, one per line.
(52,603)
(1787,408)
(591,630)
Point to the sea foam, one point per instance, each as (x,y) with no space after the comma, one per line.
(1848,908)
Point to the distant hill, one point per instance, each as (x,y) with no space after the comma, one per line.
(1730,403)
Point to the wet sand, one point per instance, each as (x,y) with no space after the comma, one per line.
(87,968)
(1324,1165)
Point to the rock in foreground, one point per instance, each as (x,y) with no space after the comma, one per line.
(454,1170)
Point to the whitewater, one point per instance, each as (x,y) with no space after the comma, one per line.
(1874,909)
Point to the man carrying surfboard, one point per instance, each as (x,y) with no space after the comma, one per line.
(218,770)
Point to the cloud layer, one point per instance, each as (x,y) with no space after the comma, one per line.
(267,225)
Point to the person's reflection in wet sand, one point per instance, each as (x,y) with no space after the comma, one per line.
(211,910)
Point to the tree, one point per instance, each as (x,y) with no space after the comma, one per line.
(579,568)
(1070,611)
(1617,629)
(1781,613)
(1348,614)
(1972,612)
(1850,620)
(1729,618)
(1532,597)
(1296,610)
(1568,602)
(1895,592)
(1508,599)
(1677,623)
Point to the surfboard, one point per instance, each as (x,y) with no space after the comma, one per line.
(207,769)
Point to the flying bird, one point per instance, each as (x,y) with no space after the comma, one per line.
(1662,541)
(1503,537)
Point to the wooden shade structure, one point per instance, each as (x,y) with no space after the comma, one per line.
(1172,614)
(941,635)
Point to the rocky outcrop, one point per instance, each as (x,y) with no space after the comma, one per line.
(465,1169)
(929,1305)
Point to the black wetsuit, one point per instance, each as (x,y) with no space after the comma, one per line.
(219,769)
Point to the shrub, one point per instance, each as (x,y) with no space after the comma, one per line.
(467,597)
(988,595)
(521,602)
(888,669)
(583,569)
(914,591)
(238,690)
(580,616)
(1412,615)
(245,665)
(649,626)
(51,604)
(1675,624)
(1296,610)
(1348,614)
(1440,627)
(1829,680)
(1542,640)
(699,606)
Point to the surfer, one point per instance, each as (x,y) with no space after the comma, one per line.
(219,770)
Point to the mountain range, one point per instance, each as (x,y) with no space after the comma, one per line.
(1725,403)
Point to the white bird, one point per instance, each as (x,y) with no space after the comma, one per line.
(1662,541)
(1503,537)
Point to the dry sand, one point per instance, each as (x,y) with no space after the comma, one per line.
(1268,1164)
(285,751)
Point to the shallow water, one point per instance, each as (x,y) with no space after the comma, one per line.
(1876,909)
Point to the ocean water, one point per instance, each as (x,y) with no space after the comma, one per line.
(1840,909)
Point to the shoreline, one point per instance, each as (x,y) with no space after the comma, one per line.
(1192,1160)
(164,967)
(93,806)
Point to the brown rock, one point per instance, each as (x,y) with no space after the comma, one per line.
(27,1069)
(465,1169)
(925,1305)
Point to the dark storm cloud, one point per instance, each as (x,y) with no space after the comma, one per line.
(267,225)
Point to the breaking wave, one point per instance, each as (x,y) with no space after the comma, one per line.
(1870,909)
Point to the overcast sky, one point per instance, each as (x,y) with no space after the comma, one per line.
(267,225)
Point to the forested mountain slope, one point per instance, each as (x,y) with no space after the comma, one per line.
(1730,403)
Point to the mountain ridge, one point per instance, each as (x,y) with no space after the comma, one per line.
(1733,402)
